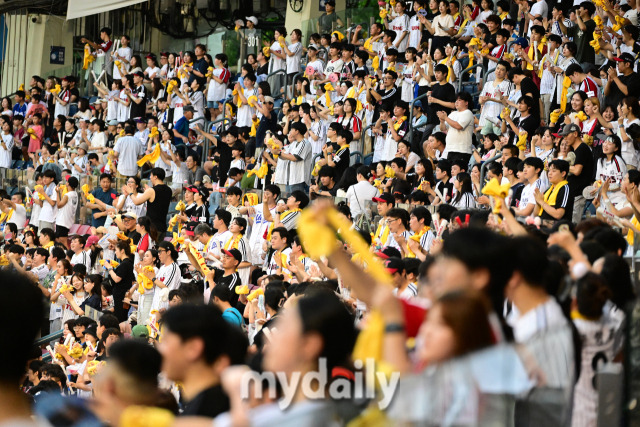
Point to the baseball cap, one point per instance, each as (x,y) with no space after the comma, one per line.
(91,240)
(140,120)
(330,3)
(252,19)
(130,215)
(569,129)
(150,56)
(625,57)
(269,99)
(112,123)
(521,41)
(188,108)
(384,198)
(233,253)
(139,74)
(417,104)
(192,188)
(203,191)
(140,331)
(394,265)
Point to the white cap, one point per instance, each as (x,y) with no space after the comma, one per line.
(252,19)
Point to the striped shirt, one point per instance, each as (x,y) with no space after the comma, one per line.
(83,258)
(465,201)
(170,276)
(290,221)
(300,171)
(589,87)
(551,59)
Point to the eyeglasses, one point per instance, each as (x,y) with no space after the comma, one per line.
(162,250)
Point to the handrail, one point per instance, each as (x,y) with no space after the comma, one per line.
(364,132)
(283,95)
(48,338)
(483,168)
(208,126)
(424,95)
(356,153)
(468,71)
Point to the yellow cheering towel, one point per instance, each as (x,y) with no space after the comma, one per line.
(619,23)
(251,198)
(4,261)
(506,112)
(383,13)
(581,116)
(238,92)
(177,240)
(255,122)
(199,258)
(339,35)
(260,172)
(56,90)
(151,157)
(416,238)
(94,366)
(154,132)
(266,51)
(595,43)
(88,57)
(473,42)
(242,290)
(209,72)
(375,63)
(555,115)
(32,133)
(522,141)
(498,192)
(252,101)
(255,294)
(171,86)
(146,416)
(551,195)
(566,84)
(598,21)
(113,263)
(389,172)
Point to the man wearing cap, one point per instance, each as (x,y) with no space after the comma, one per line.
(181,128)
(268,121)
(385,203)
(581,173)
(142,133)
(138,97)
(79,160)
(624,84)
(227,276)
(127,150)
(326,21)
(402,288)
(127,224)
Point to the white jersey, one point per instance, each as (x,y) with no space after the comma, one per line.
(217,242)
(170,276)
(601,341)
(258,230)
(67,214)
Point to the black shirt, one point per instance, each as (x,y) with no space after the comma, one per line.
(527,86)
(563,200)
(158,209)
(125,272)
(446,93)
(201,66)
(632,82)
(138,110)
(197,215)
(584,158)
(209,403)
(230,281)
(529,124)
(133,235)
(342,161)
(224,161)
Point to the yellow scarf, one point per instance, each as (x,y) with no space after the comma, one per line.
(552,194)
(199,258)
(503,15)
(367,45)
(283,216)
(462,26)
(473,42)
(398,123)
(416,238)
(531,53)
(382,233)
(48,245)
(566,84)
(449,69)
(233,243)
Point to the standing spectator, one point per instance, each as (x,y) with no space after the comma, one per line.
(106,195)
(358,195)
(459,126)
(581,172)
(328,18)
(68,204)
(127,150)
(158,198)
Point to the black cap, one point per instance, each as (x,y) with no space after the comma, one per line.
(188,108)
(570,129)
(394,265)
(233,253)
(385,198)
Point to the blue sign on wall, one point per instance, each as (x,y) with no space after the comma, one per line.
(57,55)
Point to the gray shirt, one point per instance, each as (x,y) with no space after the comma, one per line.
(196,176)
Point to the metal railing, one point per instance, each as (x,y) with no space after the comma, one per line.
(483,168)
(469,70)
(280,95)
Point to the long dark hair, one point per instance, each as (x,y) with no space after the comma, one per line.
(465,185)
(348,179)
(145,222)
(124,245)
(96,279)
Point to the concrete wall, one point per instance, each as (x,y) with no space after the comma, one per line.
(310,11)
(28,48)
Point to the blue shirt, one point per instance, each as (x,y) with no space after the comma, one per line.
(232,316)
(182,127)
(107,198)
(20,109)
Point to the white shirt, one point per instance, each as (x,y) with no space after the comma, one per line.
(128,149)
(19,217)
(67,215)
(245,112)
(538,8)
(48,212)
(459,141)
(5,153)
(170,276)
(358,195)
(260,226)
(276,63)
(293,62)
(300,171)
(399,25)
(83,258)
(125,53)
